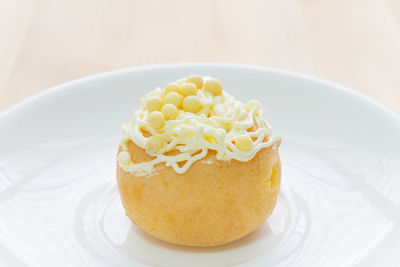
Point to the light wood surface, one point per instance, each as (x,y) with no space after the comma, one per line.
(352,42)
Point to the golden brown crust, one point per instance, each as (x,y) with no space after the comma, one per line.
(213,203)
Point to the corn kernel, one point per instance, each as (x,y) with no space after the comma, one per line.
(191,104)
(154,103)
(154,143)
(156,120)
(213,86)
(189,89)
(173,98)
(170,111)
(195,79)
(244,142)
(124,157)
(210,139)
(173,87)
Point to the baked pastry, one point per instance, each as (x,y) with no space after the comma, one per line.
(196,167)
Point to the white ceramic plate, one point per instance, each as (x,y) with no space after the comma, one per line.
(340,198)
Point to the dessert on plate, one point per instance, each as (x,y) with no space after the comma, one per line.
(196,167)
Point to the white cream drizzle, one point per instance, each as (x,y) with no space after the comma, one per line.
(214,127)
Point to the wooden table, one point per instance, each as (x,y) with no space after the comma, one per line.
(352,42)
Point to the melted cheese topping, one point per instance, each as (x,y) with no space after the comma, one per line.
(215,126)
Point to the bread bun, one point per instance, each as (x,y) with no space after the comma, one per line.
(214,202)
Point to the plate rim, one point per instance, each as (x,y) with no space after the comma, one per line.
(285,72)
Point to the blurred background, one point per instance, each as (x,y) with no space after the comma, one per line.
(352,42)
